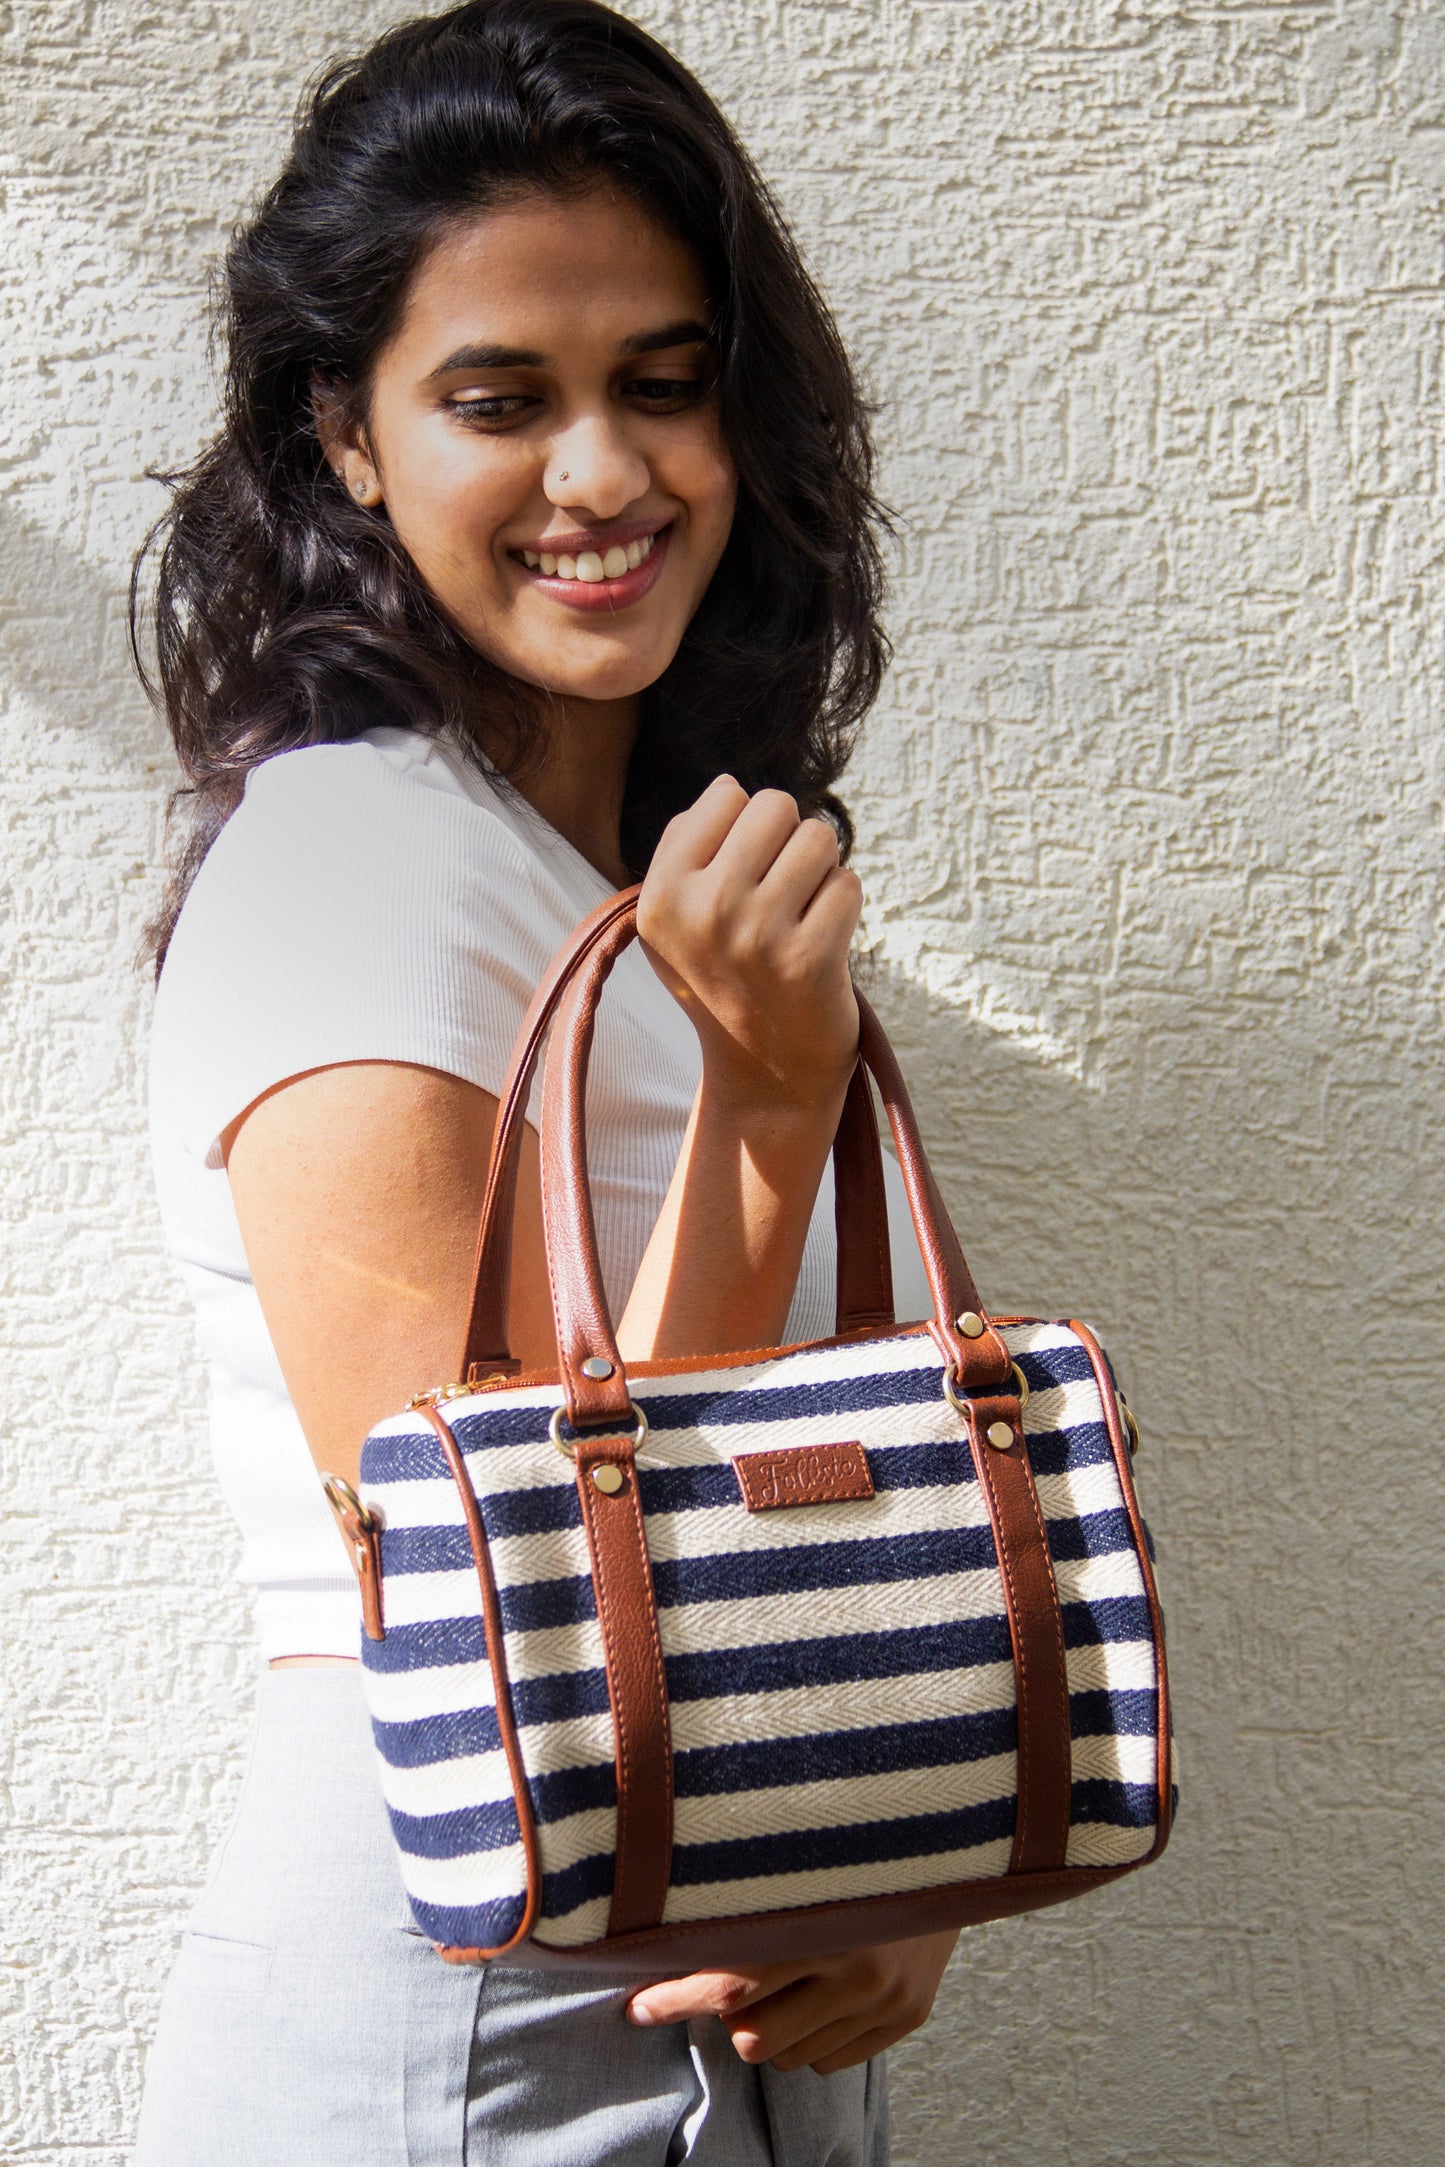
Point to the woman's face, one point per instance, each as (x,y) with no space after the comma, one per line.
(543,436)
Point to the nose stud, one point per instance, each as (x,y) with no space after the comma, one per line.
(562,477)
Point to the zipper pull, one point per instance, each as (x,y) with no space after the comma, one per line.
(361,1530)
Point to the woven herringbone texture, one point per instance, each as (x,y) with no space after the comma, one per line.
(840,1677)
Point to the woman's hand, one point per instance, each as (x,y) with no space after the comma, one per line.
(747,917)
(826,2015)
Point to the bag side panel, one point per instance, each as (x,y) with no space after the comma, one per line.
(554,1654)
(1166,1776)
(430,1692)
(1105,1600)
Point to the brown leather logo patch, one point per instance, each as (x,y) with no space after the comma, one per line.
(803,1475)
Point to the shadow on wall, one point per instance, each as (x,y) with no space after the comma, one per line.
(63,643)
(1241,1216)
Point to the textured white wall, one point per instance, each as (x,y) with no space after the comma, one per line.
(1154,299)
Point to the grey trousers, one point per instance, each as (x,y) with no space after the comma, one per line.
(308,2024)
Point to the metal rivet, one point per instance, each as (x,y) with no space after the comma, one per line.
(1000,1436)
(607,1478)
(598,1366)
(971,1324)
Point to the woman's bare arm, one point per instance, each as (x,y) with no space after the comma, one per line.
(359,1188)
(359,1191)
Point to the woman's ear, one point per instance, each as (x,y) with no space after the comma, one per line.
(343,443)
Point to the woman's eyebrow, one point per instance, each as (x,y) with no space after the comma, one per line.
(686,333)
(489,357)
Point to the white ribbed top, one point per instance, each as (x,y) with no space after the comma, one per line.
(383,901)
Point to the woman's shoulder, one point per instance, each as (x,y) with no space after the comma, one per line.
(348,792)
(375,900)
(390,824)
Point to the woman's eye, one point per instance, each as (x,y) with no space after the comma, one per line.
(503,407)
(666,393)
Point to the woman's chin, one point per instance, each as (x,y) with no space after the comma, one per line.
(624,676)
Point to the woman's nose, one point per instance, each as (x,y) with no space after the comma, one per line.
(594,469)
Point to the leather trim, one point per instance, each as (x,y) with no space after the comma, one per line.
(1045,1756)
(811,1931)
(978,1363)
(735,1358)
(636,1683)
(803,1475)
(497,1659)
(579,1302)
(366,1557)
(865,1275)
(487,1345)
(579,1299)
(1123,1461)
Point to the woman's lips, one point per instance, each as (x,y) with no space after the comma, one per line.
(606,594)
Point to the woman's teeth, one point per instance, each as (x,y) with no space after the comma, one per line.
(591,566)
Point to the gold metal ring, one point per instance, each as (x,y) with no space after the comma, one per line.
(343,1499)
(1129,1423)
(568,1452)
(950,1389)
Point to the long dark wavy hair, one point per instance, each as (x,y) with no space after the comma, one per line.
(285,614)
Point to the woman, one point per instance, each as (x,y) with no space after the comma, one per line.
(535,554)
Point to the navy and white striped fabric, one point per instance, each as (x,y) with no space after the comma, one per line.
(840,1677)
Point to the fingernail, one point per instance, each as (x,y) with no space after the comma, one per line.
(639,2013)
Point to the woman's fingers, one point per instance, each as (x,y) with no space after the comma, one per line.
(827,2062)
(799,870)
(831,918)
(709,1994)
(692,839)
(747,917)
(772,2025)
(761,831)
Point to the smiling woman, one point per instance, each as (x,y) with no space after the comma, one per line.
(536,553)
(287,613)
(550,455)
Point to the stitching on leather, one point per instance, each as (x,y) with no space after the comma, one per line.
(622,1861)
(1023,1757)
(1027,1476)
(624,1874)
(654,1641)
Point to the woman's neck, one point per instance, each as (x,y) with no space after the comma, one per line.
(578,783)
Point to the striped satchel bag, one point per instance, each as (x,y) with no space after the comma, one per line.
(769,1654)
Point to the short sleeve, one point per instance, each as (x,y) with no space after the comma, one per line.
(350,910)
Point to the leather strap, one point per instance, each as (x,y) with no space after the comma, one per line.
(865,1272)
(1041,1827)
(636,1681)
(584,1328)
(501,1688)
(579,1299)
(486,1346)
(976,1362)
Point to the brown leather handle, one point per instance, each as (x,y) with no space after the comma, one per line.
(865,1269)
(976,1354)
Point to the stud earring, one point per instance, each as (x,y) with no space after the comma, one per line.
(561,477)
(362,491)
